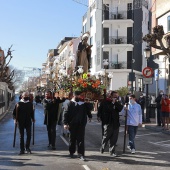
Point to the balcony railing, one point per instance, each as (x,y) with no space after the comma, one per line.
(114,15)
(118,65)
(115,40)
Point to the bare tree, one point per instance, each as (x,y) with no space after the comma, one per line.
(6,75)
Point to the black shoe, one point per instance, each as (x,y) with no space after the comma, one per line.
(49,146)
(21,152)
(101,150)
(28,150)
(53,148)
(71,155)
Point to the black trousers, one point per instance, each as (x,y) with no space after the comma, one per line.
(22,127)
(77,133)
(159,119)
(52,134)
(110,134)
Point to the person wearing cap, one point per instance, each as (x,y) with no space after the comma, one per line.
(75,119)
(84,53)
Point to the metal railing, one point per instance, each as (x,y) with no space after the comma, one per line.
(115,15)
(118,65)
(115,40)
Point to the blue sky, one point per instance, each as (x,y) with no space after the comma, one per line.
(34,26)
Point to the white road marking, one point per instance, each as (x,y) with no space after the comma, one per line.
(157,133)
(162,143)
(64,140)
(86,167)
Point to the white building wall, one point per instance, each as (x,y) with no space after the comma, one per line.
(115,27)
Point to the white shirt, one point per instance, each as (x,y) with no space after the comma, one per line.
(134,114)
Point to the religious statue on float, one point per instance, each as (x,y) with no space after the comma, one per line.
(84,53)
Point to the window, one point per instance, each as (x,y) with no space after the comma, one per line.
(129,6)
(91,40)
(91,21)
(84,28)
(168,24)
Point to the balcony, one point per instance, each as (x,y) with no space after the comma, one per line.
(115,40)
(115,16)
(121,17)
(118,65)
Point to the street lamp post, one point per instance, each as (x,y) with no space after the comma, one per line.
(47,78)
(105,64)
(72,58)
(147,53)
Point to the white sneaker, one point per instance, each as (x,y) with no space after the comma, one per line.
(113,155)
(133,151)
(128,147)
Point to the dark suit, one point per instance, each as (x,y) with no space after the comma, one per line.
(24,116)
(51,118)
(108,112)
(76,117)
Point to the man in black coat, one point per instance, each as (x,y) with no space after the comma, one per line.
(23,114)
(75,119)
(108,113)
(158,106)
(51,116)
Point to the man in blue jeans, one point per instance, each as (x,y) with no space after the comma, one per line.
(134,119)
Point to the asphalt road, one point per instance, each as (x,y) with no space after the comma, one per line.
(152,149)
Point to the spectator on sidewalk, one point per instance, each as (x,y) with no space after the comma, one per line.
(158,106)
(165,102)
(134,119)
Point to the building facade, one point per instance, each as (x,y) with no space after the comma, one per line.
(116,31)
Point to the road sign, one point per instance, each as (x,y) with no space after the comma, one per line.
(156,74)
(147,81)
(147,72)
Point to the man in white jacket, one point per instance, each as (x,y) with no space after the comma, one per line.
(134,119)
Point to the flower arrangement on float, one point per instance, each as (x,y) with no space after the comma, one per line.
(88,84)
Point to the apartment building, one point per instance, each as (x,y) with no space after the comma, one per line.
(116,30)
(59,63)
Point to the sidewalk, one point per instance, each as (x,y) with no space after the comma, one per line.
(154,127)
(151,126)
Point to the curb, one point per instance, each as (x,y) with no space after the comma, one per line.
(7,110)
(157,129)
